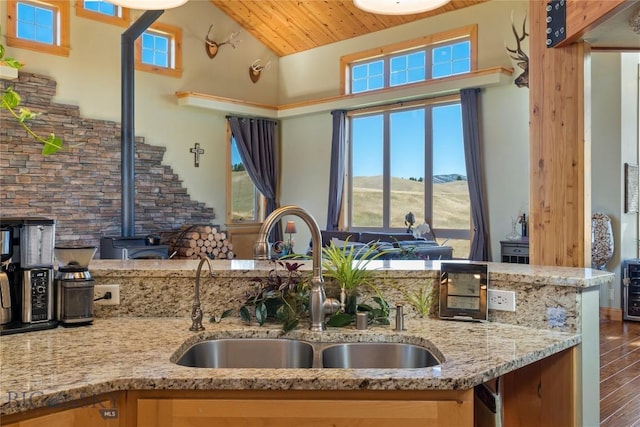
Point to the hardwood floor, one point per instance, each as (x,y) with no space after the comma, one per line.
(619,374)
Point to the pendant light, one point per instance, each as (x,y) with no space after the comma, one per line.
(399,7)
(148,4)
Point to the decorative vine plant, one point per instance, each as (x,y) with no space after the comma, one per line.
(10,101)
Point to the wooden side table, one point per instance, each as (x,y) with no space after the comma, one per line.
(514,251)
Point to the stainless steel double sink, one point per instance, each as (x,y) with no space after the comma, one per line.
(285,353)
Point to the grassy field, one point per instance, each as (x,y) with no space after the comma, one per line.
(450,204)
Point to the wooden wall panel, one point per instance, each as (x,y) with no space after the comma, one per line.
(560,188)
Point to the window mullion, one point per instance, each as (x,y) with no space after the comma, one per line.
(386,181)
(428,165)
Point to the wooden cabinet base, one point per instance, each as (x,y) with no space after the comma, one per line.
(348,409)
(96,411)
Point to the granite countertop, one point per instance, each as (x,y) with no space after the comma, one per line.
(46,368)
(521,273)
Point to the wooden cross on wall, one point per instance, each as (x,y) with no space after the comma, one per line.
(196,150)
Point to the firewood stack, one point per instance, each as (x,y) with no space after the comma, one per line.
(197,241)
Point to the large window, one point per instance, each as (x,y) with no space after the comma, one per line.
(158,50)
(410,159)
(245,203)
(103,11)
(42,26)
(431,57)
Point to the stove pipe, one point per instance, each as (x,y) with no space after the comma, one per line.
(127,145)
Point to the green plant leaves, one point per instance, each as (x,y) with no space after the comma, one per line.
(244,314)
(261,313)
(10,98)
(340,320)
(10,101)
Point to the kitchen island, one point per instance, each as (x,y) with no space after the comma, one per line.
(127,358)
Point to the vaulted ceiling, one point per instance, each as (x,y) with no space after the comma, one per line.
(291,26)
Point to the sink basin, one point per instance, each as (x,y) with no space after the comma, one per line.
(248,353)
(377,355)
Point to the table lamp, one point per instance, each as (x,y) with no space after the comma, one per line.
(290,229)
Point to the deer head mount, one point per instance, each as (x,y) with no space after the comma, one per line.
(212,46)
(256,69)
(521,58)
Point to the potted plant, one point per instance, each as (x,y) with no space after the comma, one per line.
(279,297)
(10,101)
(347,265)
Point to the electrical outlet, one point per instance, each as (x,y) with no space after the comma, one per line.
(100,290)
(502,300)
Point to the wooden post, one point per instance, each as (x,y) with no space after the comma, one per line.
(560,148)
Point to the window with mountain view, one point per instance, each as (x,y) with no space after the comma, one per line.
(244,197)
(411,160)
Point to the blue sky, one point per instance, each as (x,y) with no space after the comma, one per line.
(407,136)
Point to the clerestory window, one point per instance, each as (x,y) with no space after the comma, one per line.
(415,61)
(42,26)
(103,11)
(158,50)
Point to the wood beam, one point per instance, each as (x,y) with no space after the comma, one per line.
(584,15)
(560,186)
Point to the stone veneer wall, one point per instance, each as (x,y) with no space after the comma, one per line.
(80,186)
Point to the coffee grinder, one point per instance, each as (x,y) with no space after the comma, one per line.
(74,285)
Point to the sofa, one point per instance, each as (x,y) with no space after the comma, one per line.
(394,245)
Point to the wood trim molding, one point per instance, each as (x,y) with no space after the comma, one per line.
(489,77)
(609,313)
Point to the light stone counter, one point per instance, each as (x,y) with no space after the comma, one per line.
(132,345)
(49,368)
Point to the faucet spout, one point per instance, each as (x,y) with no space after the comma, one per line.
(319,304)
(196,310)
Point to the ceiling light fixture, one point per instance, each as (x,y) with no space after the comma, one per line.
(399,7)
(148,4)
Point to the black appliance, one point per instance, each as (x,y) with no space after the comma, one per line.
(28,267)
(74,285)
(631,289)
(135,247)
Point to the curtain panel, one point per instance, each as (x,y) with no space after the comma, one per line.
(256,142)
(469,99)
(337,170)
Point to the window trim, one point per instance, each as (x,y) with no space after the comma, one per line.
(346,210)
(122,21)
(60,47)
(261,202)
(470,32)
(175,34)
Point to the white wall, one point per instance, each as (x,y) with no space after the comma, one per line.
(614,130)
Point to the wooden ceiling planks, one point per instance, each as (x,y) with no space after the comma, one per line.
(291,26)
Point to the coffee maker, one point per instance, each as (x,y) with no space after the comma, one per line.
(27,267)
(74,285)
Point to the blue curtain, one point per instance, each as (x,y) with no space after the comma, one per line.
(336,173)
(256,142)
(472,152)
